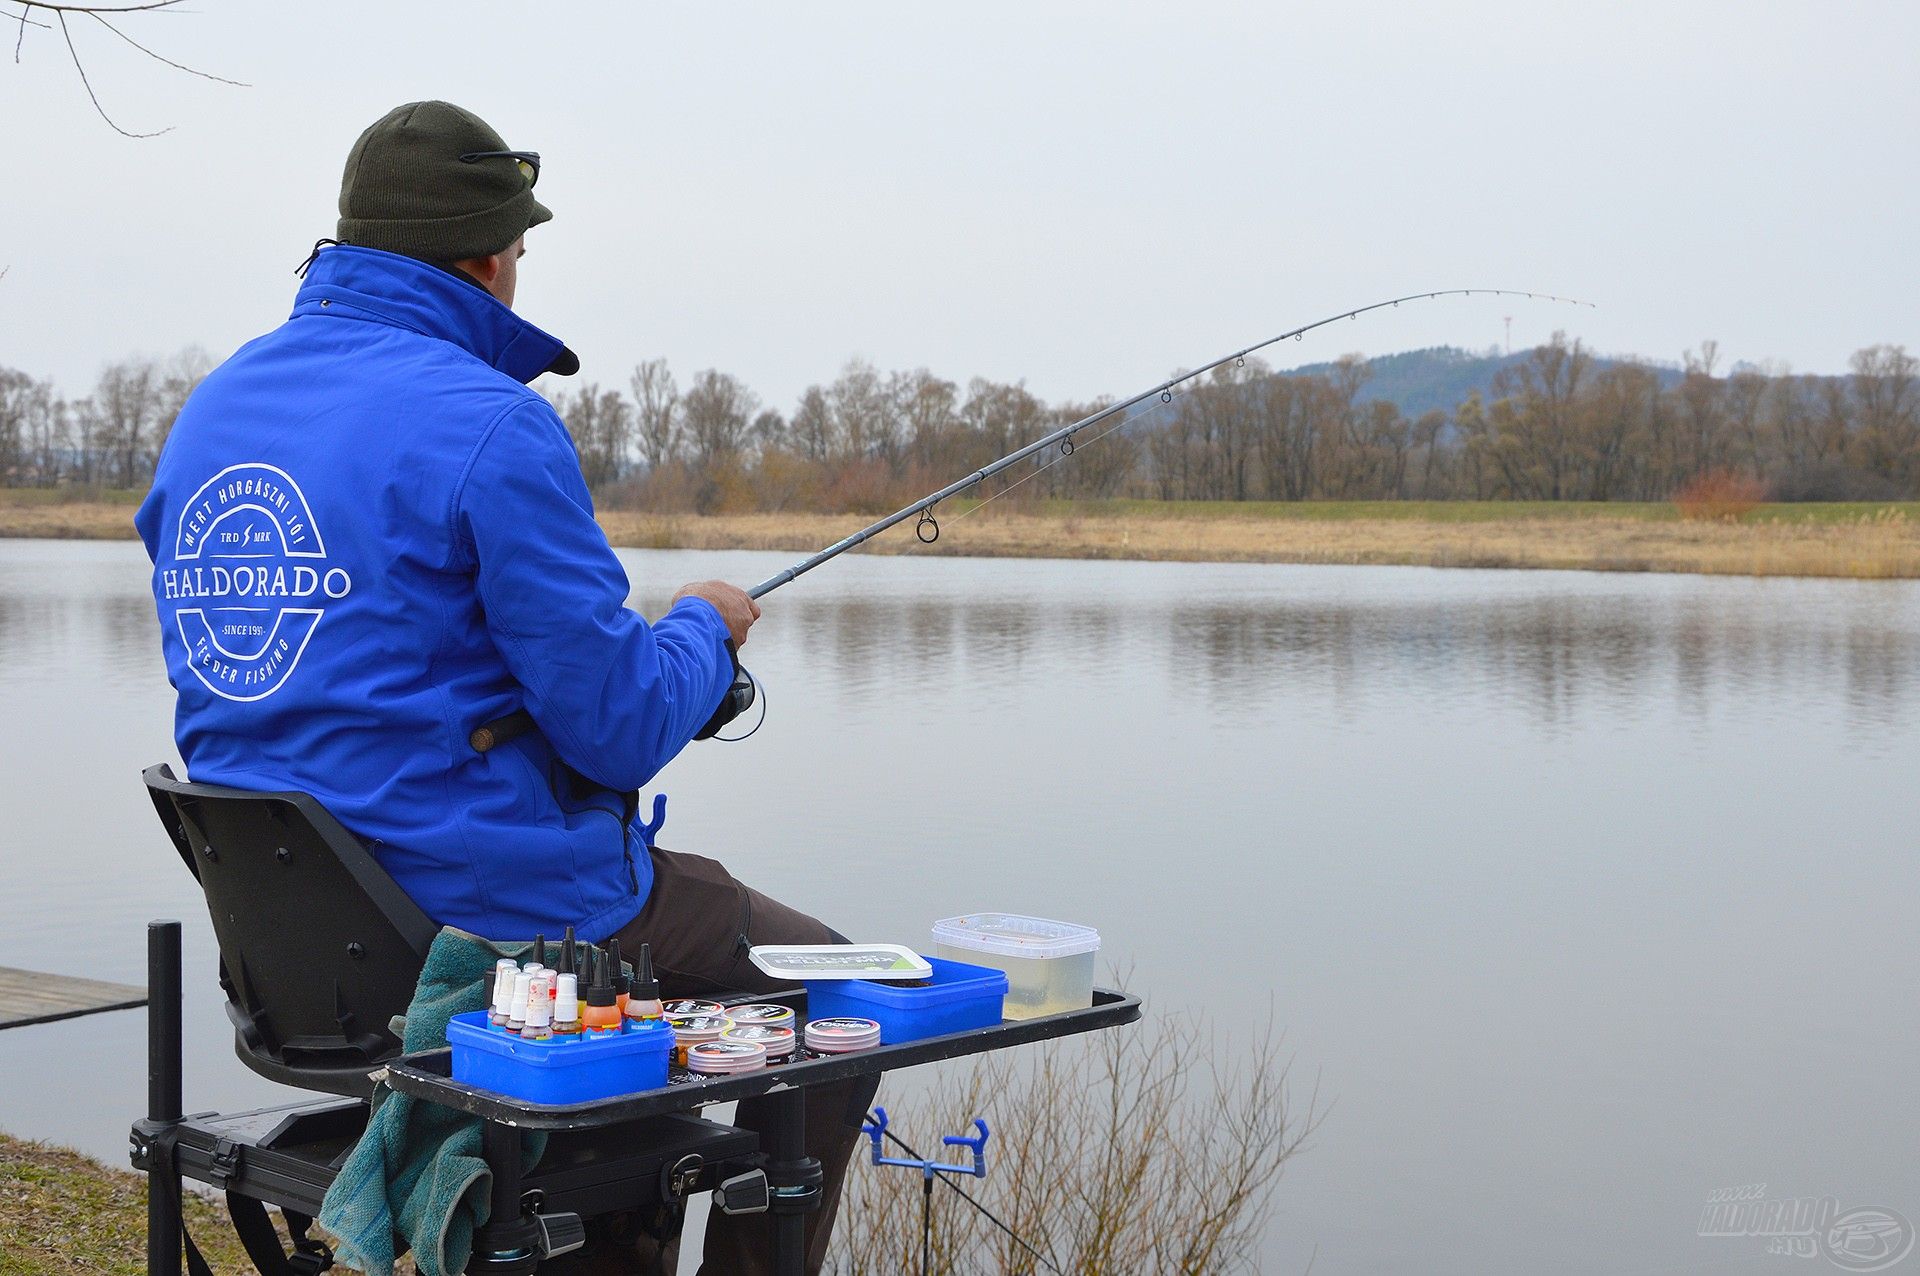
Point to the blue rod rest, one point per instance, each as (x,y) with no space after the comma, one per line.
(876,1128)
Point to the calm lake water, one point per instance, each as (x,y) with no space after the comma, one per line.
(1582,895)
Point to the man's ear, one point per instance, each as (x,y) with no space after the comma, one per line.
(484,269)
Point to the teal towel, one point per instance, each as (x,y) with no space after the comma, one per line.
(418,1170)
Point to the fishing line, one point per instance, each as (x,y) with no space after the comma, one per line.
(955,1188)
(489,734)
(928,528)
(1067,451)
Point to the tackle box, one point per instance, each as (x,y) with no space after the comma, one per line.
(956,997)
(559,1070)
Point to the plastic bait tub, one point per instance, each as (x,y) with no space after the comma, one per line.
(956,997)
(1049,964)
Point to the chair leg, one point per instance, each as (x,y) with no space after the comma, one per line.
(163,1097)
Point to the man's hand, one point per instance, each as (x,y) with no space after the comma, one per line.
(731,601)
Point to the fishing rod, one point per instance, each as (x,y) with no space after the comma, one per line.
(742,693)
(928,528)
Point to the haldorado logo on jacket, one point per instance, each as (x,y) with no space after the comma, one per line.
(249,580)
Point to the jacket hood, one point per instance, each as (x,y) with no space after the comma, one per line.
(346,282)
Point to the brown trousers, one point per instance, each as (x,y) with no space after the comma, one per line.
(700,922)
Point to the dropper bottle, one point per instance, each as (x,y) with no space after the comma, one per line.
(602,1016)
(643,999)
(568,955)
(617,973)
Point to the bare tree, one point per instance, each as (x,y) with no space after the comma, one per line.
(812,428)
(718,410)
(1887,410)
(656,400)
(106,16)
(601,423)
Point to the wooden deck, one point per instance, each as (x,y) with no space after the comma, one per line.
(28,996)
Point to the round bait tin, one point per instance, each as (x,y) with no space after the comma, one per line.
(693,1030)
(766,1014)
(692,1006)
(842,1036)
(723,1058)
(778,1042)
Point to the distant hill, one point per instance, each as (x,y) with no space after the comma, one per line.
(1441,377)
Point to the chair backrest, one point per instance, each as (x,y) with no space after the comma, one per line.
(319,948)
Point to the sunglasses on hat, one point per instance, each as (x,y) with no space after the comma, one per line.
(529,162)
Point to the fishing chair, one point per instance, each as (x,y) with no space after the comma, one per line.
(319,951)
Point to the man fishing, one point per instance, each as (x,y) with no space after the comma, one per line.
(369,536)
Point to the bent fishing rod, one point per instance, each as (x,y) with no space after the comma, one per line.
(742,694)
(928,529)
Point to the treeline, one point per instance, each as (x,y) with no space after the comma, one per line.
(1558,424)
(110,438)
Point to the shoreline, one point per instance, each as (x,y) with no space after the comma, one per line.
(1873,542)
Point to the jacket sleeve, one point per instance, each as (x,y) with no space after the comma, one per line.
(615,696)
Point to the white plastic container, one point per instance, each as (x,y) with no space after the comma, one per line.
(1049,964)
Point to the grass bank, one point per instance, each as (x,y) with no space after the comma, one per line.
(1863,541)
(61,1212)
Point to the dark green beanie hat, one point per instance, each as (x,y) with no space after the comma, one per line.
(406,189)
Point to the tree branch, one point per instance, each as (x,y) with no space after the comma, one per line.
(92,96)
(157,58)
(97,8)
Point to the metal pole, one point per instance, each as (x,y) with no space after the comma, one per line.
(1064,433)
(789,1151)
(163,1094)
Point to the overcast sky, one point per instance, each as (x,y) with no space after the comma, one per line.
(1082,195)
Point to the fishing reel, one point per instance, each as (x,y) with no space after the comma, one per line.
(739,698)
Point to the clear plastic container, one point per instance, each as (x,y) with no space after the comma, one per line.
(1049,964)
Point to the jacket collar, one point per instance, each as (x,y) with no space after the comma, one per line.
(368,284)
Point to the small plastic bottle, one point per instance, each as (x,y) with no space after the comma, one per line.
(517,1016)
(566,1005)
(539,1010)
(602,1014)
(504,971)
(617,975)
(643,997)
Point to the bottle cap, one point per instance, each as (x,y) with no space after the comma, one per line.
(617,969)
(599,989)
(566,998)
(645,986)
(539,950)
(568,953)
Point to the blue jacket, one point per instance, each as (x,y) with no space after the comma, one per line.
(368,537)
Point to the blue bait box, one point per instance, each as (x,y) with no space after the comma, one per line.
(957,997)
(559,1069)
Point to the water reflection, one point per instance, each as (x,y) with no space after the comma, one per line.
(1522,860)
(1559,657)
